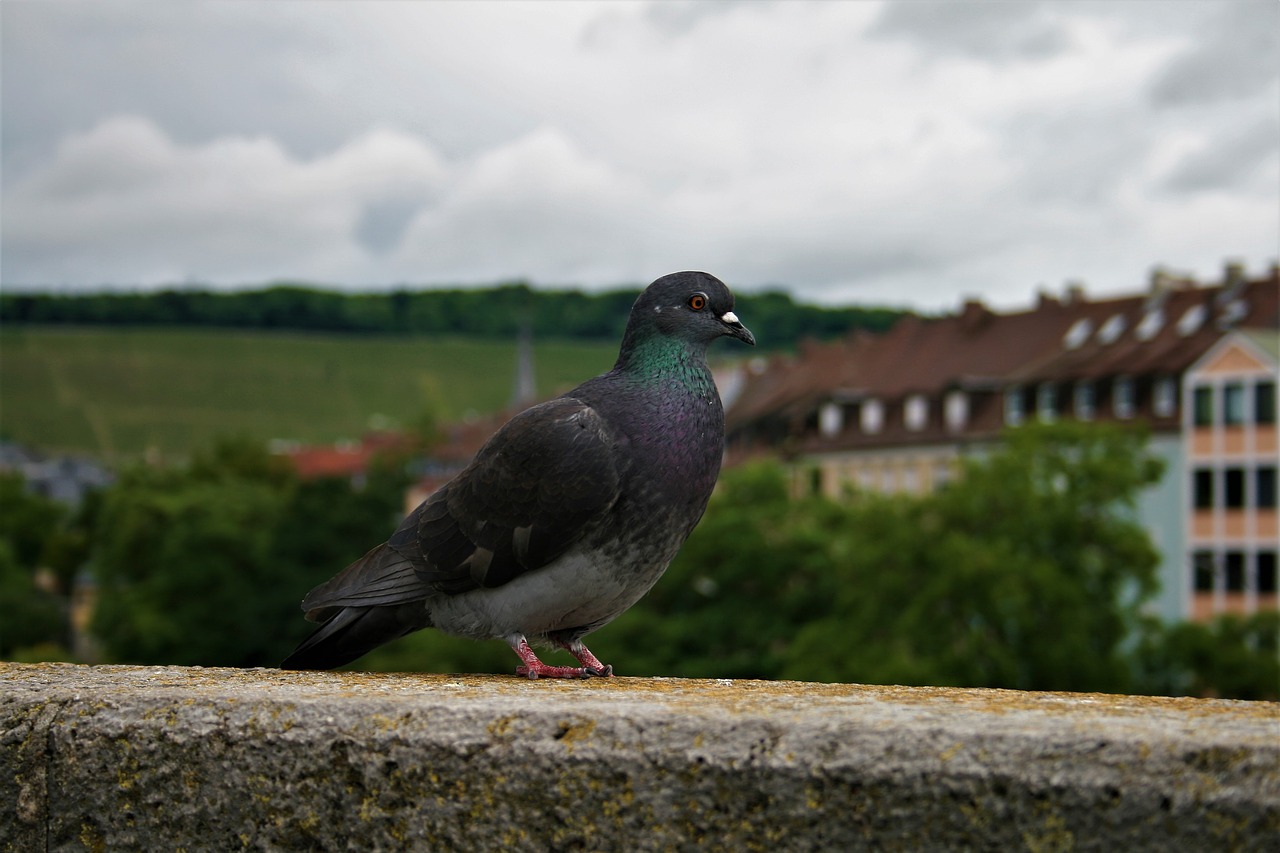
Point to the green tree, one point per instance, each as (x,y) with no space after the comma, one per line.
(186,573)
(206,564)
(28,521)
(31,529)
(1028,572)
(1236,657)
(29,616)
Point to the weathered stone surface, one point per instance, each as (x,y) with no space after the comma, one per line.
(115,758)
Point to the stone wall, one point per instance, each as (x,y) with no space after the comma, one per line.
(169,758)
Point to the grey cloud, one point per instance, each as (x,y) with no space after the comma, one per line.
(994,31)
(1077,156)
(1230,160)
(1238,56)
(204,70)
(680,18)
(383,223)
(366,143)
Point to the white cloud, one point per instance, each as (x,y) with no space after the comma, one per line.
(124,203)
(847,150)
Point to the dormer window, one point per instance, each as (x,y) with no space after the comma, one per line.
(872,416)
(1150,325)
(1078,333)
(916,412)
(1191,321)
(1233,312)
(1111,329)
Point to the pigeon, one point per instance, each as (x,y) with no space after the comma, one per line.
(566,517)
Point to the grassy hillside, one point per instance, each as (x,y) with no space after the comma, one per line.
(119,392)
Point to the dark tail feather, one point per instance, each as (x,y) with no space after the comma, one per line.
(354,631)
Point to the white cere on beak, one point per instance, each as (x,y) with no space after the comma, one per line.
(729,317)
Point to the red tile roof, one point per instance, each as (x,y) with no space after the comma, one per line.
(985,352)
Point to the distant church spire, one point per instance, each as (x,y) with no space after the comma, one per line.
(525,388)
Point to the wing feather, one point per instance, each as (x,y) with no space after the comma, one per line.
(531,492)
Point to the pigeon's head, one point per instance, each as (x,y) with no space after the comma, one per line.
(689,306)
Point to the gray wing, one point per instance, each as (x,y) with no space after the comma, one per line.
(531,492)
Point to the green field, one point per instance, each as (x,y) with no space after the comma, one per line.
(118,392)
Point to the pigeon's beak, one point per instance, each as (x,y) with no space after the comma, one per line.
(733,328)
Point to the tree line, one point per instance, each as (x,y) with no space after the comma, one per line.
(1026,572)
(497,311)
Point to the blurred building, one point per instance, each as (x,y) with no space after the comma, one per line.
(895,412)
(1231,453)
(66,479)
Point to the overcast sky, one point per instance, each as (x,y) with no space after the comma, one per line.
(909,153)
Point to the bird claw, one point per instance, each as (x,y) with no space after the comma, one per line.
(543,670)
(532,668)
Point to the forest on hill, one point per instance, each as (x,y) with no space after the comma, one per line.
(497,311)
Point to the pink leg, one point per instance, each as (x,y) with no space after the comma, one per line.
(588,660)
(533,668)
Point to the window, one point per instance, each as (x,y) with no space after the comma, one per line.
(1233,488)
(1202,488)
(1150,325)
(916,412)
(872,416)
(1266,487)
(1078,333)
(1013,408)
(1165,397)
(1203,406)
(1192,320)
(1233,403)
(830,419)
(1264,403)
(1047,401)
(1111,329)
(1202,563)
(1235,571)
(1084,401)
(1266,566)
(911,479)
(1233,312)
(1122,397)
(957,410)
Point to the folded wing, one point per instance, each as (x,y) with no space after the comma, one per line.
(531,492)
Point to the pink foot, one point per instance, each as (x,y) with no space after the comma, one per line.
(589,662)
(531,667)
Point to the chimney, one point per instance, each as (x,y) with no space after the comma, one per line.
(1162,284)
(1074,293)
(1161,281)
(974,314)
(1233,280)
(1044,299)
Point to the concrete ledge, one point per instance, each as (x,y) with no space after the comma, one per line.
(115,758)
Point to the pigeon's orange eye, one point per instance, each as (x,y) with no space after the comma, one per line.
(697,302)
